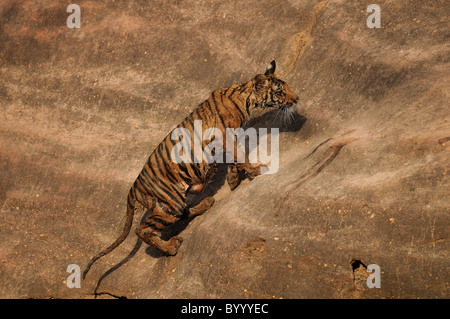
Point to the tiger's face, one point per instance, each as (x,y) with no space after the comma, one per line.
(272,91)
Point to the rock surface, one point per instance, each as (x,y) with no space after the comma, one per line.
(363,175)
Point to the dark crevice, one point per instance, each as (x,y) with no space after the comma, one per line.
(356,264)
(109,294)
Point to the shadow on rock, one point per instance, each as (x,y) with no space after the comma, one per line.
(286,122)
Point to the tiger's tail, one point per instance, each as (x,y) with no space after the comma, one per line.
(122,236)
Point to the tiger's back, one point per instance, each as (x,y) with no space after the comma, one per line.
(225,108)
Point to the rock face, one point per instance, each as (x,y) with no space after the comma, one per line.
(363,175)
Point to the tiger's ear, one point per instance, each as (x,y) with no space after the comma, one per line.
(271,68)
(261,82)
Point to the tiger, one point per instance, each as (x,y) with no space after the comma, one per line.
(163,185)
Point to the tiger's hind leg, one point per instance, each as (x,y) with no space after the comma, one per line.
(150,232)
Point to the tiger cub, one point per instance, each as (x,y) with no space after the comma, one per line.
(162,185)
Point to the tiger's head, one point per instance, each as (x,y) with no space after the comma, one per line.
(270,91)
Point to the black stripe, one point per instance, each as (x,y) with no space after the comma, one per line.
(195,170)
(152,226)
(229,96)
(167,169)
(197,114)
(165,188)
(165,207)
(160,171)
(130,198)
(197,135)
(207,111)
(195,167)
(133,188)
(226,108)
(212,114)
(243,87)
(184,170)
(270,94)
(217,110)
(141,186)
(152,182)
(185,177)
(161,221)
(168,140)
(247,107)
(242,118)
(183,167)
(237,107)
(170,187)
(145,174)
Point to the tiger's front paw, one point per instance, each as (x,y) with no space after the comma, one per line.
(233,179)
(253,171)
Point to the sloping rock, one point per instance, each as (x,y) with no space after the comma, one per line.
(363,175)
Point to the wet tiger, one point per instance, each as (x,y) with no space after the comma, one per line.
(162,185)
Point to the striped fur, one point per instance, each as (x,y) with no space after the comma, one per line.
(162,185)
